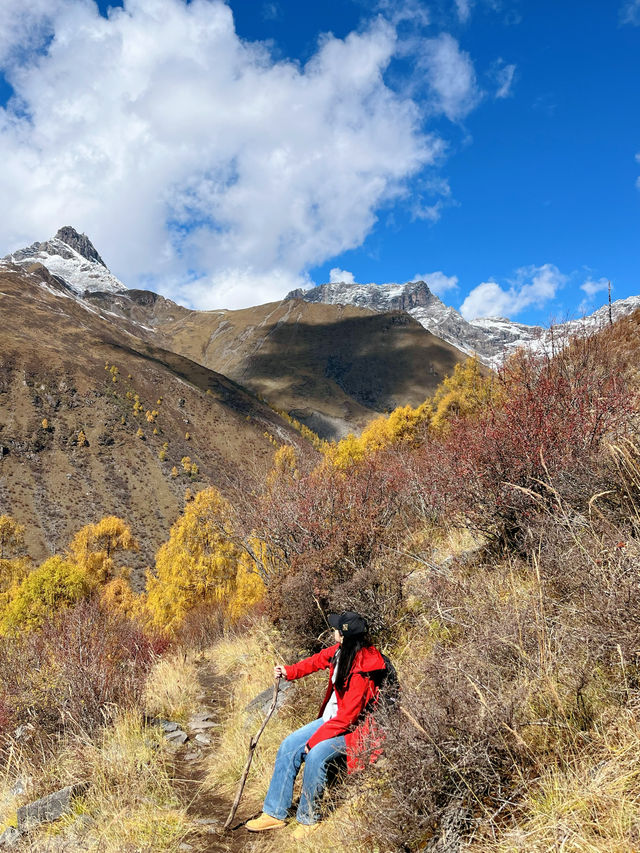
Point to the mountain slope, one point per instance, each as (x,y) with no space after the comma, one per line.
(417,300)
(332,367)
(76,442)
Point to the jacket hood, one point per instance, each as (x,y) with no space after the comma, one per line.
(369,659)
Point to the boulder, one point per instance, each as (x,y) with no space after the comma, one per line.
(166,725)
(49,808)
(178,737)
(262,702)
(202,717)
(200,727)
(10,838)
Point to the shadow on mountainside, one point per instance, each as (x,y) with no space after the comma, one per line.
(380,361)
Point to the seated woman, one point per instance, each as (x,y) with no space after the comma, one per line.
(341,728)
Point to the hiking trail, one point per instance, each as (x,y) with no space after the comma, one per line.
(205,808)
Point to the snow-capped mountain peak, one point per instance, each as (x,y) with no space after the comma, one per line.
(416,299)
(73,258)
(492,339)
(378,297)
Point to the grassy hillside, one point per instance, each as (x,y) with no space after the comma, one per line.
(80,441)
(332,367)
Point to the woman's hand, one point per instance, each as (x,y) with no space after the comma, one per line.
(279,671)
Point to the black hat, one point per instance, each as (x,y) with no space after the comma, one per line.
(349,624)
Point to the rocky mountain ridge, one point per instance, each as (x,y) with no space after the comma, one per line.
(70,257)
(74,262)
(331,367)
(492,339)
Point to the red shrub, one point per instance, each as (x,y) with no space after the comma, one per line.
(334,532)
(77,668)
(547,431)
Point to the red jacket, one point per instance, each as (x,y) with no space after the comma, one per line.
(358,692)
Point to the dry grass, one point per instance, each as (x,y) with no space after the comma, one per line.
(453,541)
(130,805)
(172,689)
(588,804)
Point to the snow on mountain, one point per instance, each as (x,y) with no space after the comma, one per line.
(416,299)
(492,339)
(510,335)
(71,257)
(73,260)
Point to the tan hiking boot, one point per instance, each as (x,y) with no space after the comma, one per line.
(265,821)
(304,830)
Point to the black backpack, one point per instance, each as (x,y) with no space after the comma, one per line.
(386,680)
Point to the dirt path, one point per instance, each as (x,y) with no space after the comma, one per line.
(203,807)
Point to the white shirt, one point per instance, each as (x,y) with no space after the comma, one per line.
(331,708)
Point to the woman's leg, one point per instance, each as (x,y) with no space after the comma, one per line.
(288,760)
(316,767)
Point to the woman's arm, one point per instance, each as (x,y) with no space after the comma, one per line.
(322,660)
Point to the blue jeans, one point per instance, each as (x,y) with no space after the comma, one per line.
(317,764)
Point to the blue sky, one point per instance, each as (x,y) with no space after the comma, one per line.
(223,154)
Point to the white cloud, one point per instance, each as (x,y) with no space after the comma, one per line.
(26,25)
(504,77)
(238,287)
(592,287)
(630,13)
(438,282)
(463,8)
(195,161)
(451,77)
(531,286)
(337,275)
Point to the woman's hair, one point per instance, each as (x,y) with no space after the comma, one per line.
(348,651)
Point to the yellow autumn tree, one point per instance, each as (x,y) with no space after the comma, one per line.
(55,584)
(14,564)
(199,563)
(400,427)
(285,467)
(12,573)
(248,587)
(348,451)
(94,546)
(465,393)
(117,595)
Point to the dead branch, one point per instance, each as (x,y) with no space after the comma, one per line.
(252,746)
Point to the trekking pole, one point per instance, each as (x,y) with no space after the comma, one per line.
(252,746)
